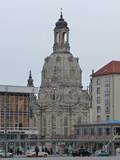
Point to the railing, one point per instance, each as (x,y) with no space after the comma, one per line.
(27,130)
(94,138)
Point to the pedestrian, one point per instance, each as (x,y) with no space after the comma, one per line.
(18,151)
(36,150)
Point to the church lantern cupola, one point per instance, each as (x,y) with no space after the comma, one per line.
(61,36)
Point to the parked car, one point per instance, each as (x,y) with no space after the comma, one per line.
(8,154)
(117,151)
(31,153)
(101,153)
(81,152)
(42,154)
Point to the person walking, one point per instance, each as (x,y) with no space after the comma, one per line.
(36,150)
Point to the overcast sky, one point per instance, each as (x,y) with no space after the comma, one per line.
(26,35)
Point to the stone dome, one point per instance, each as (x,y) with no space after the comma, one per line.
(61,69)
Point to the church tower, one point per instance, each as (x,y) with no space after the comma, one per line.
(63,103)
(61,36)
(30,80)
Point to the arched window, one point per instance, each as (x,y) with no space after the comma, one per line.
(64,37)
(55,69)
(98,81)
(57,37)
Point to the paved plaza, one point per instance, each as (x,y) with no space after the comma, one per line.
(66,158)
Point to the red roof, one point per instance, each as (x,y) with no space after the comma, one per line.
(111,68)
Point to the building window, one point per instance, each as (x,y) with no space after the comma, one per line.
(54,122)
(78,132)
(98,100)
(64,37)
(117,129)
(107,94)
(107,131)
(65,131)
(107,117)
(107,91)
(55,69)
(99,131)
(107,105)
(98,118)
(107,109)
(57,37)
(65,121)
(98,109)
(107,81)
(107,102)
(92,131)
(98,90)
(85,131)
(98,81)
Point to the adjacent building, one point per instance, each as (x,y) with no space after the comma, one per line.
(105,93)
(103,135)
(16,113)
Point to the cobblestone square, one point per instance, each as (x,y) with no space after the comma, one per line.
(66,158)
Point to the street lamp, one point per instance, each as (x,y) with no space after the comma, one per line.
(6,119)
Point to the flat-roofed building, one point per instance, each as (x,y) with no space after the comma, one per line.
(15,109)
(17,120)
(94,136)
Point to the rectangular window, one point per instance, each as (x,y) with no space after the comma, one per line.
(98,81)
(85,131)
(65,131)
(107,95)
(98,100)
(107,102)
(107,91)
(107,80)
(98,90)
(107,131)
(107,117)
(107,105)
(98,109)
(98,118)
(65,121)
(99,131)
(92,131)
(78,132)
(107,86)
